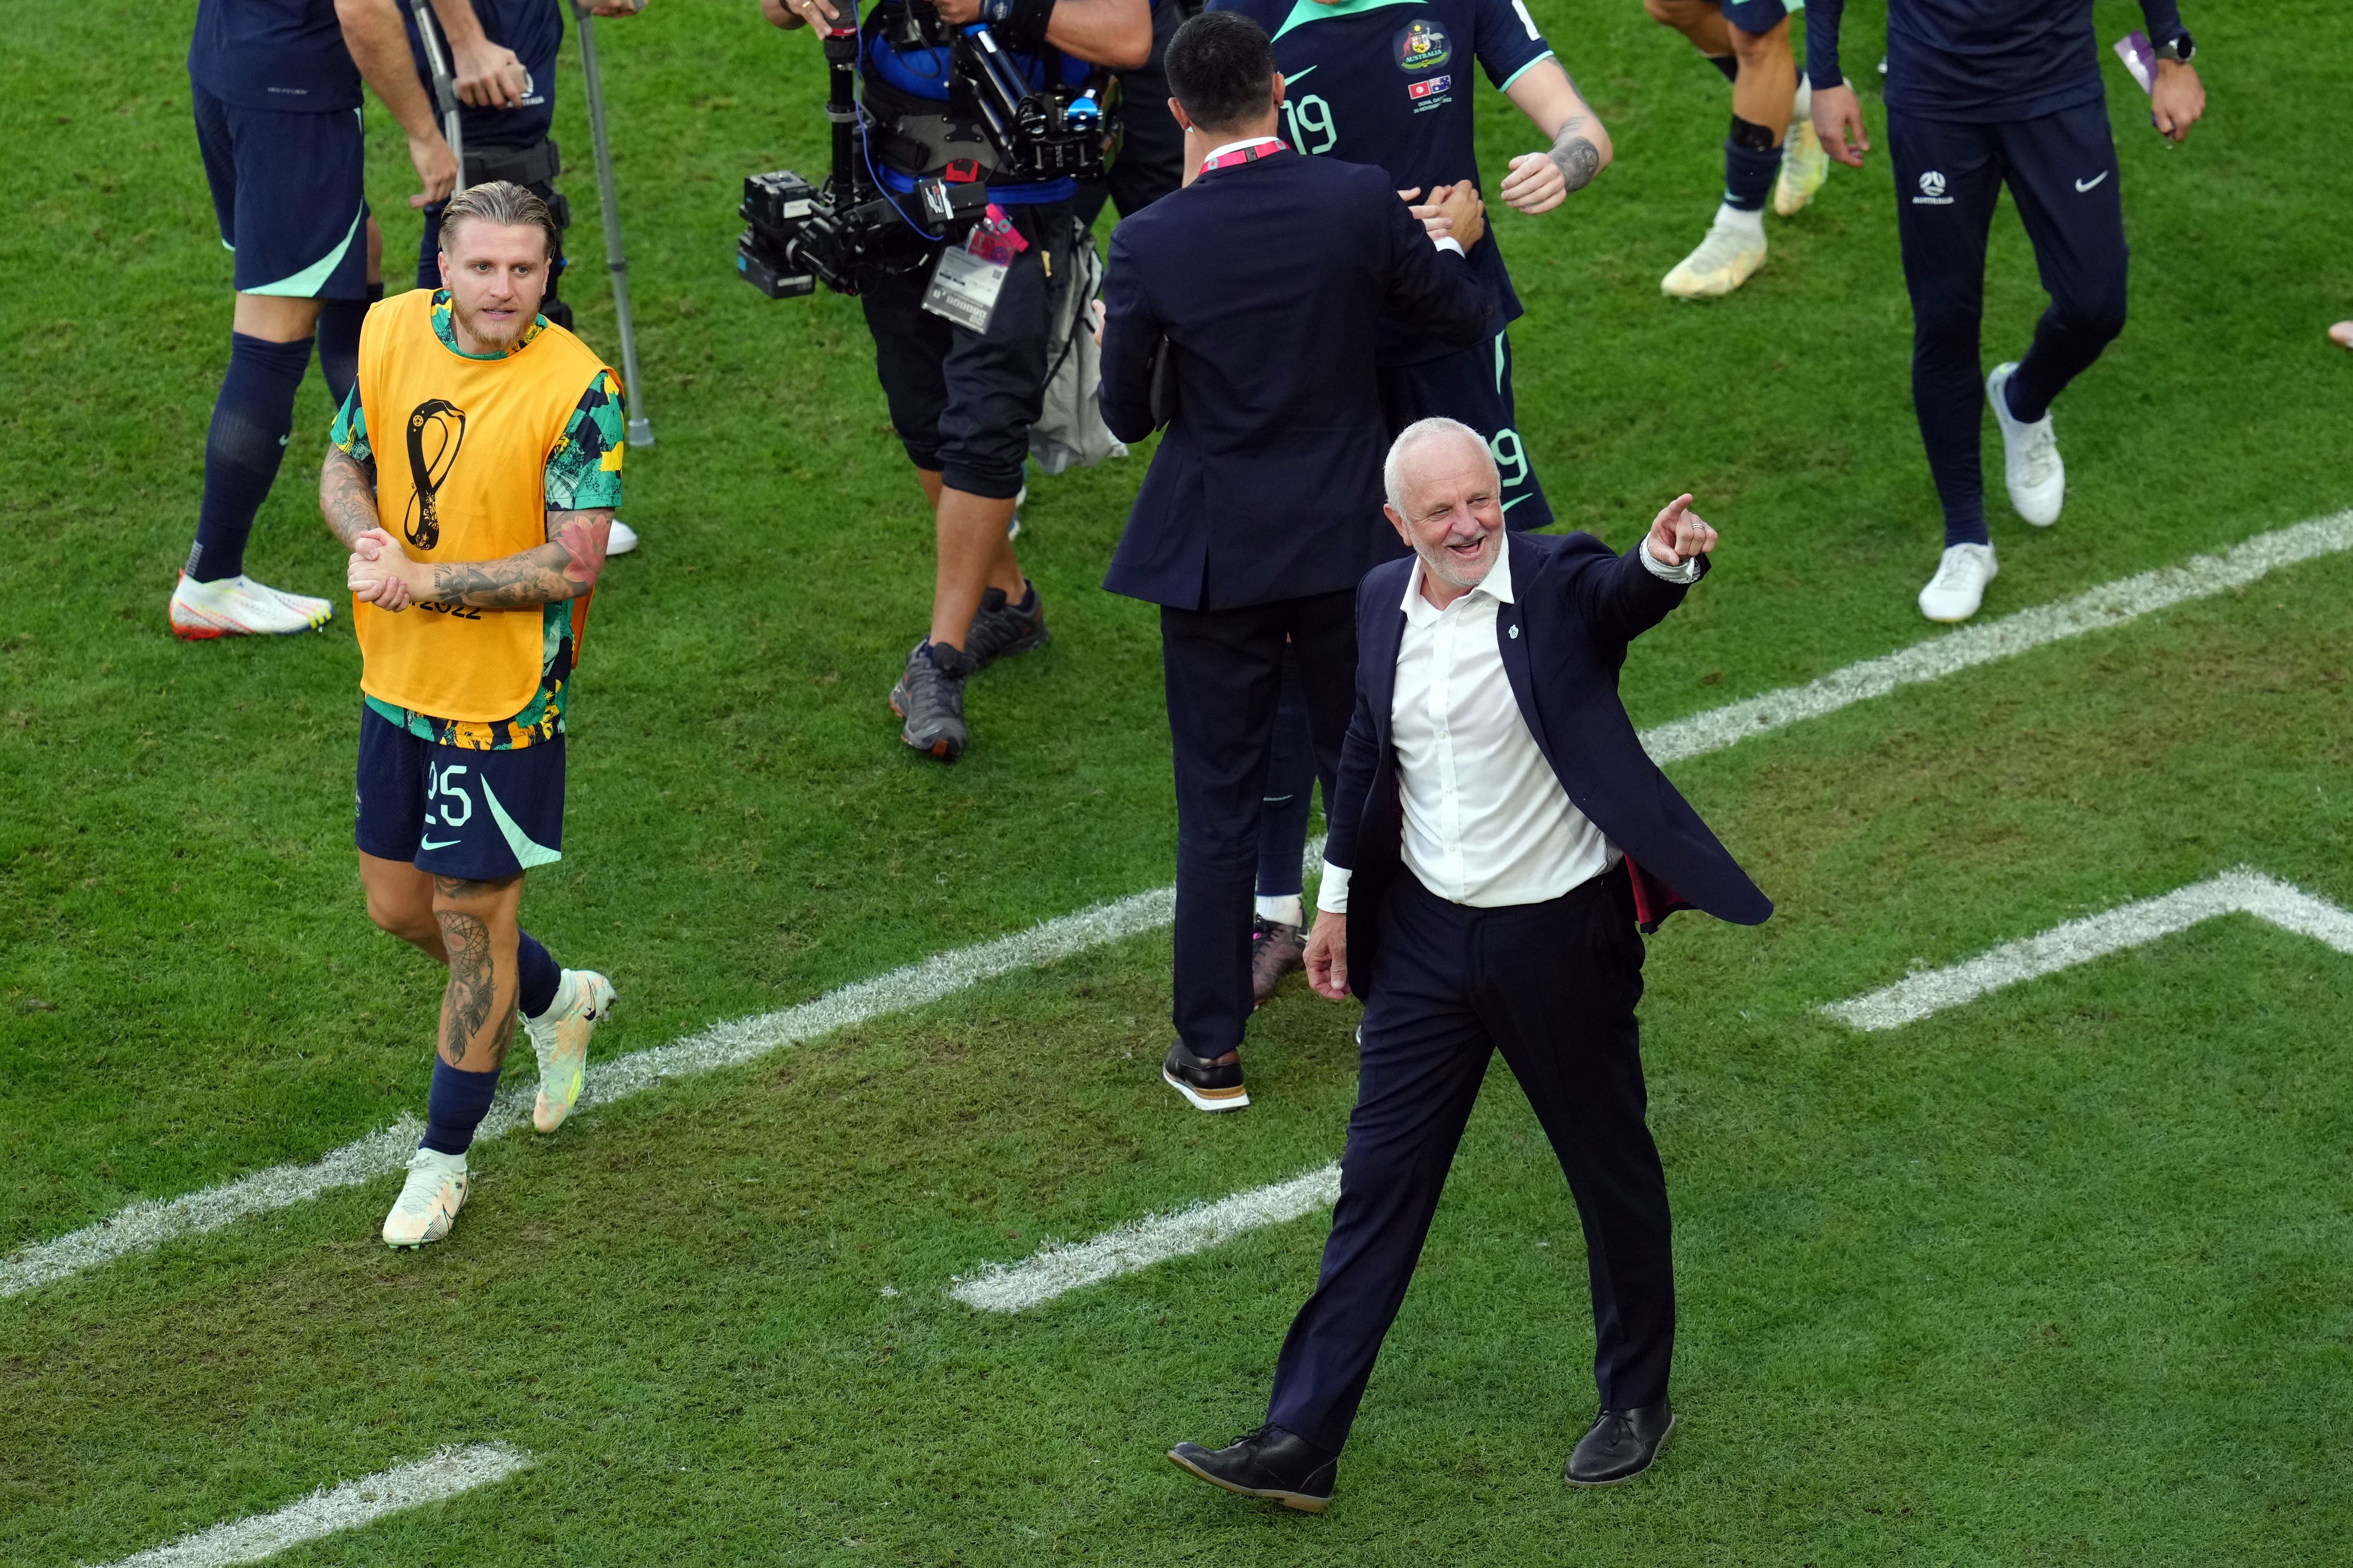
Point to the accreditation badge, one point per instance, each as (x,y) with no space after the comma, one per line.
(965,288)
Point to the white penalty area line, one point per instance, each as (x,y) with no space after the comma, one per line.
(1058,1269)
(2240,891)
(143,1225)
(331,1511)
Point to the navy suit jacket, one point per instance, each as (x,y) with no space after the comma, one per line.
(1563,642)
(1270,279)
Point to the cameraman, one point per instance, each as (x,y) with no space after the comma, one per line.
(962,401)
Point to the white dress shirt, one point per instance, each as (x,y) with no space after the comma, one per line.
(1486,821)
(1449,243)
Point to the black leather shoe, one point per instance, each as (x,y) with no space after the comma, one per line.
(1622,1445)
(1207,1083)
(1269,1463)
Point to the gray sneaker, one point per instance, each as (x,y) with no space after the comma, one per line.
(1001,628)
(930,698)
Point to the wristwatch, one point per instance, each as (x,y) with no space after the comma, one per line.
(2179,48)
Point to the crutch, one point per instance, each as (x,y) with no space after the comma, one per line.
(444,86)
(616,262)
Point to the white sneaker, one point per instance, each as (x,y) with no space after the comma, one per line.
(1957,589)
(560,1036)
(429,1201)
(1734,248)
(621,541)
(1804,164)
(239,606)
(2030,456)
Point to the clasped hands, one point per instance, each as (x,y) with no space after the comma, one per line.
(381,573)
(1452,212)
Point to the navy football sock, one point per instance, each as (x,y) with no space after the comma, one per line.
(339,342)
(539,976)
(458,1102)
(1729,63)
(252,421)
(1750,162)
(1968,528)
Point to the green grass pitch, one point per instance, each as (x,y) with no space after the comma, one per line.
(2062,1274)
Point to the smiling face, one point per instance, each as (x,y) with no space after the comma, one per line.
(1452,513)
(496,274)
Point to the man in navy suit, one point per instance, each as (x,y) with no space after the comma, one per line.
(1498,827)
(1254,295)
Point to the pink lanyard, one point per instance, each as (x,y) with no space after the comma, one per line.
(1266,147)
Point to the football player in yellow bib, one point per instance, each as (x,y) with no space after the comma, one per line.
(476,542)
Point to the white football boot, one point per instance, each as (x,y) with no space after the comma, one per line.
(560,1036)
(1804,164)
(1959,588)
(1732,250)
(428,1200)
(2030,456)
(239,606)
(621,540)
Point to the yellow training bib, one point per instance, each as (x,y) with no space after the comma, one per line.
(461,448)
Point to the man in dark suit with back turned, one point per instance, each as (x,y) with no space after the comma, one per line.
(1263,281)
(1497,832)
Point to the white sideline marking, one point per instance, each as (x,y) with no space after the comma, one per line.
(2109,605)
(1140,1244)
(2243,890)
(143,1225)
(331,1512)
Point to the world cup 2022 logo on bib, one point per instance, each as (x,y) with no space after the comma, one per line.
(436,428)
(1421,46)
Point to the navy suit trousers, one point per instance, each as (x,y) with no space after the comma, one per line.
(1224,673)
(1552,986)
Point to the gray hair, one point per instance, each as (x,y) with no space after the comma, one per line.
(1417,434)
(499,202)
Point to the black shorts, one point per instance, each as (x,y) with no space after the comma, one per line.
(288,193)
(1475,387)
(454,811)
(962,401)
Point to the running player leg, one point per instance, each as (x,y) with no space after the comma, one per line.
(286,191)
(1764,89)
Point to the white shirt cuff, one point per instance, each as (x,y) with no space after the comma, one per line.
(1686,573)
(1449,242)
(1332,898)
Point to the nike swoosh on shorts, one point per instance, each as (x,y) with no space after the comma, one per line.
(429,844)
(2086,185)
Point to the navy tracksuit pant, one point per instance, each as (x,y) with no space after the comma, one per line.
(2061,172)
(1552,986)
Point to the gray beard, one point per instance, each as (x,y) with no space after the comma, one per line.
(1439,566)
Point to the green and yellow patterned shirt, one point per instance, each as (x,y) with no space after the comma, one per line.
(584,474)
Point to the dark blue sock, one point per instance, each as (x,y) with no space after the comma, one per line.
(1749,175)
(339,342)
(458,1102)
(252,422)
(1729,63)
(1968,528)
(539,978)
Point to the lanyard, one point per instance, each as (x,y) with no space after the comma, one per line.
(1265,147)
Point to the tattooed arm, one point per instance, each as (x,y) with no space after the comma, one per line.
(1540,182)
(565,568)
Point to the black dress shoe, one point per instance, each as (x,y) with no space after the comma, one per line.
(1622,1445)
(1207,1083)
(1269,1462)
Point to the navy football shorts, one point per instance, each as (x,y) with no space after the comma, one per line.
(288,190)
(1475,387)
(1756,15)
(456,812)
